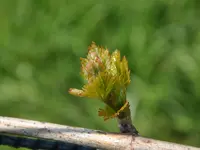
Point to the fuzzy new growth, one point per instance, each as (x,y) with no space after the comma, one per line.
(107,77)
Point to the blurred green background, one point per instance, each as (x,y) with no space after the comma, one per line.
(41,42)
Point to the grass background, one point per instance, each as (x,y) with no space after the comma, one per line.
(41,42)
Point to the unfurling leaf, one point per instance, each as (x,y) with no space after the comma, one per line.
(107,78)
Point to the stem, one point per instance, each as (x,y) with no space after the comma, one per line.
(125,123)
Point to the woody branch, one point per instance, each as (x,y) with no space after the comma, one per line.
(82,136)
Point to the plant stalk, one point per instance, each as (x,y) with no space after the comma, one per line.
(125,122)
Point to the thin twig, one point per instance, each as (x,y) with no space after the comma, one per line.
(33,143)
(85,137)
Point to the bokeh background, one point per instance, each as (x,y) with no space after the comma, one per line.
(41,42)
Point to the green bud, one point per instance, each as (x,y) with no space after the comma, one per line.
(107,78)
